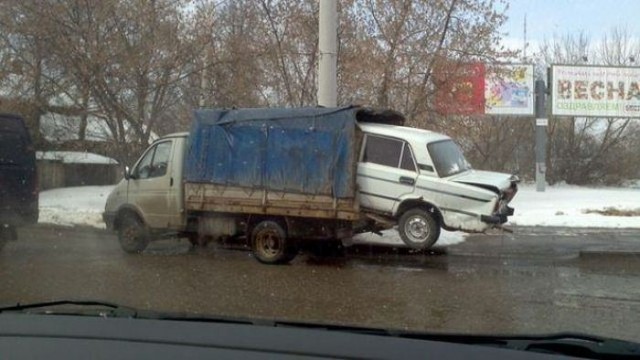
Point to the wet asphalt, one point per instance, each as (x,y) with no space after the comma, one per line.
(535,281)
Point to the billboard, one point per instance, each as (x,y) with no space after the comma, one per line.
(509,90)
(477,89)
(596,91)
(460,89)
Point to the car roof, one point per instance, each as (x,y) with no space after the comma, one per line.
(410,134)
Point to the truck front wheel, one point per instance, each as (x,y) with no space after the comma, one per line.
(270,245)
(418,229)
(132,234)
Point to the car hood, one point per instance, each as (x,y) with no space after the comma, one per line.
(485,179)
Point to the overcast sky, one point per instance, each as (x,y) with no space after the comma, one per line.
(548,17)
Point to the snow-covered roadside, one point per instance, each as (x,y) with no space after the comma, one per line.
(81,205)
(565,205)
(392,238)
(561,205)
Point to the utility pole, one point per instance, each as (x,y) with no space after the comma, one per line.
(203,82)
(327,64)
(541,135)
(524,47)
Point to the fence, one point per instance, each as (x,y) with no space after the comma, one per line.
(55,174)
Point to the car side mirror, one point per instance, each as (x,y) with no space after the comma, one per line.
(127,173)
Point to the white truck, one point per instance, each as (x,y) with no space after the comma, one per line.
(281,176)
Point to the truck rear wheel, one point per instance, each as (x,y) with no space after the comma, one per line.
(418,229)
(270,245)
(132,234)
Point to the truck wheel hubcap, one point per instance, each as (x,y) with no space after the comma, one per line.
(268,243)
(417,229)
(130,235)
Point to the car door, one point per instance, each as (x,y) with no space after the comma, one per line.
(386,173)
(151,185)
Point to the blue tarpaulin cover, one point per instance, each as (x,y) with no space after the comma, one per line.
(301,150)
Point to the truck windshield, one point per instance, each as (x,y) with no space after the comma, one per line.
(448,158)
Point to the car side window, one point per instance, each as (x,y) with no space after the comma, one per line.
(407,162)
(383,151)
(155,162)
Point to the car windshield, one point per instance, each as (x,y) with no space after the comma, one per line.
(448,158)
(281,169)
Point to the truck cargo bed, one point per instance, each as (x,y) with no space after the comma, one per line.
(233,199)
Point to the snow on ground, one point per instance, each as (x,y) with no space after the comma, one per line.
(74,157)
(560,205)
(565,205)
(81,205)
(392,238)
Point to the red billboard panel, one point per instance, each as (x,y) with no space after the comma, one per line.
(460,89)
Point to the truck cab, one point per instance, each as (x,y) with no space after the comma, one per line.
(150,197)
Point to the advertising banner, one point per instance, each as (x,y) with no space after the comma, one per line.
(595,91)
(477,89)
(509,90)
(460,89)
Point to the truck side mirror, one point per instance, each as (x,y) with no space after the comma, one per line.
(127,173)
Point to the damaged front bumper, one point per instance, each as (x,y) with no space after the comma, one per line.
(503,211)
(499,217)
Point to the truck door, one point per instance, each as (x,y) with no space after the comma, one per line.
(153,188)
(386,173)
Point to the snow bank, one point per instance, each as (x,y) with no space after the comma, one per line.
(81,205)
(392,238)
(565,205)
(74,157)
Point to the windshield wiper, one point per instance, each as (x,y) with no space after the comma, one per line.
(113,310)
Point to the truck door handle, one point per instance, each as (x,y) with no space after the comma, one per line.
(407,180)
(171,182)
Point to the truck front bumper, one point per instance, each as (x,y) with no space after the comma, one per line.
(109,219)
(20,217)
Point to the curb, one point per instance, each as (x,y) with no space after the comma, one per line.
(609,253)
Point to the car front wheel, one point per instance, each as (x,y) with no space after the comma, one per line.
(418,229)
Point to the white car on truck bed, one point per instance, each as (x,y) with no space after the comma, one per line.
(422,179)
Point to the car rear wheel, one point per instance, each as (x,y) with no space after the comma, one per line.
(418,229)
(133,235)
(270,245)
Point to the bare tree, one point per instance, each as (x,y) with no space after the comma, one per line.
(405,39)
(121,59)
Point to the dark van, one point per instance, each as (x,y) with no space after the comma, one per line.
(18,178)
